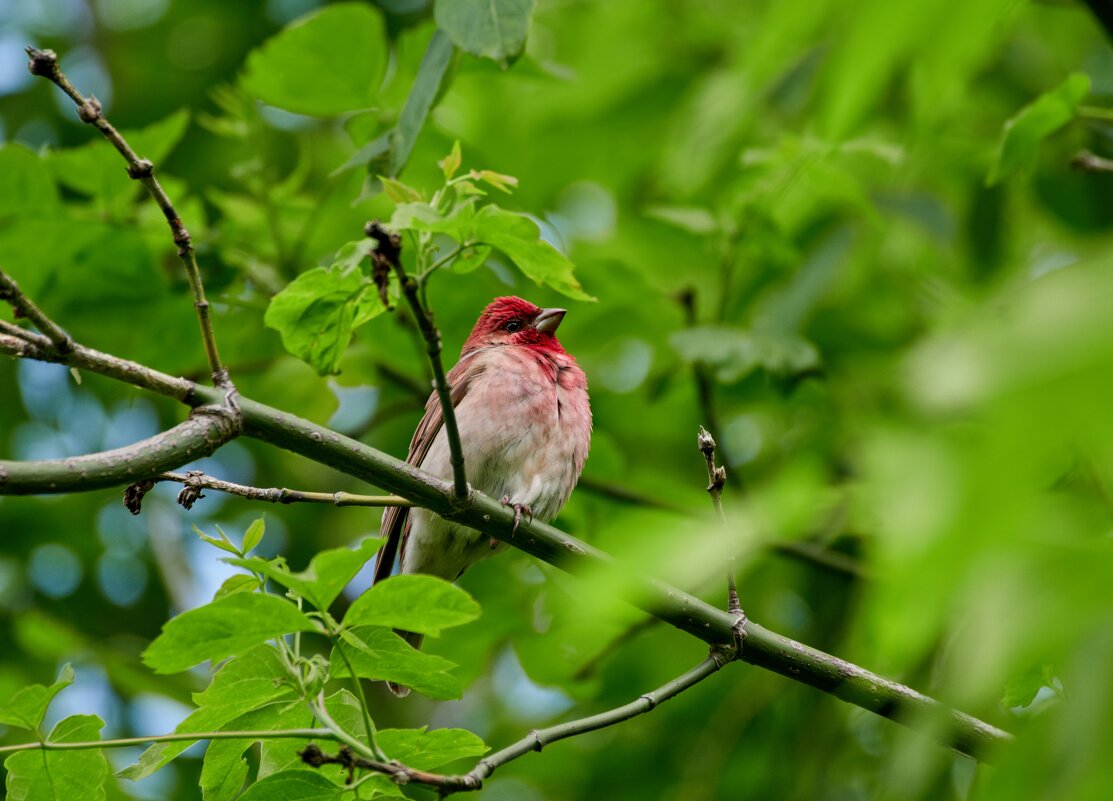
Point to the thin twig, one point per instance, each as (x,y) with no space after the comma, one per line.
(538,739)
(1090,162)
(23,307)
(388,254)
(13,330)
(44,63)
(716,479)
(195,481)
(177,737)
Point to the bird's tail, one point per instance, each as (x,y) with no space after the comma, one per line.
(402,690)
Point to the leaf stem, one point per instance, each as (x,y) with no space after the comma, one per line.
(127,742)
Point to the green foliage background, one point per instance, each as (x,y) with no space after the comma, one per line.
(785,212)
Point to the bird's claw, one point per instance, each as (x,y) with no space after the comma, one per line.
(518,509)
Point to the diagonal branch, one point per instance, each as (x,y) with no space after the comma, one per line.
(44,63)
(388,254)
(23,307)
(672,605)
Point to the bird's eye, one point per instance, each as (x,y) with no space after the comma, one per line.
(513,325)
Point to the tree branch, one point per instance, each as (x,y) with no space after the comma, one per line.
(538,739)
(388,253)
(764,648)
(207,428)
(23,307)
(1090,162)
(44,63)
(195,481)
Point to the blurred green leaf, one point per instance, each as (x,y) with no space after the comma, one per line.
(423,96)
(1024,132)
(325,63)
(735,353)
(25,709)
(76,775)
(494,29)
(413,602)
(26,188)
(227,626)
(381,655)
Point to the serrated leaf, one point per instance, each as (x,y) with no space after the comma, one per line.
(494,29)
(76,775)
(519,238)
(294,785)
(253,536)
(413,602)
(327,62)
(451,163)
(227,626)
(1020,141)
(327,575)
(241,684)
(428,750)
(25,709)
(318,311)
(381,655)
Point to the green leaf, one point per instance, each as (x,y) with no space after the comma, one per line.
(399,192)
(237,583)
(224,769)
(1021,690)
(243,683)
(294,785)
(735,353)
(494,29)
(423,96)
(26,187)
(519,238)
(76,775)
(27,707)
(498,180)
(413,602)
(471,259)
(381,655)
(318,311)
(428,750)
(96,168)
(253,536)
(222,628)
(451,163)
(1023,133)
(693,219)
(326,63)
(423,217)
(223,543)
(327,575)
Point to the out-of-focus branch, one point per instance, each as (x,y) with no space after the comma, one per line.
(195,481)
(44,63)
(1090,162)
(10,294)
(388,255)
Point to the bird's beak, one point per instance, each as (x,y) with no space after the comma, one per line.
(549,320)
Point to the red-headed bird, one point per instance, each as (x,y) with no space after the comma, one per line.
(525,428)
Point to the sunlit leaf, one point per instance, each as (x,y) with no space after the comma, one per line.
(381,655)
(413,602)
(71,775)
(25,709)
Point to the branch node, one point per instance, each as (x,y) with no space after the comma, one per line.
(43,63)
(141,169)
(90,111)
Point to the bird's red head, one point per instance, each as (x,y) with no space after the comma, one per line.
(513,321)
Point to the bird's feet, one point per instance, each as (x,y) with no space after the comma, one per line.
(518,508)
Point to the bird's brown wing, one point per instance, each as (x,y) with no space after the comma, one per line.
(396,519)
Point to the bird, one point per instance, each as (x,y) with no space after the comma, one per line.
(522,409)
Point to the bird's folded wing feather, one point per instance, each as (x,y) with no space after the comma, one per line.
(396,519)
